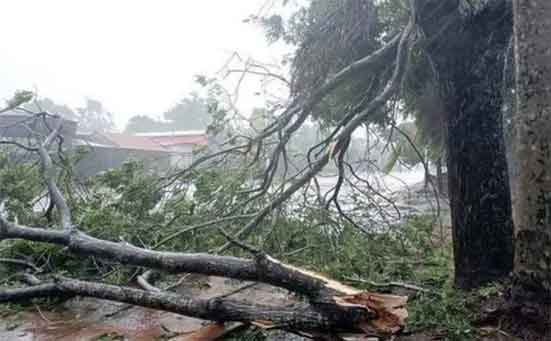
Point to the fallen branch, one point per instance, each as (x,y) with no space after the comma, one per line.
(333,306)
(303,317)
(264,269)
(145,279)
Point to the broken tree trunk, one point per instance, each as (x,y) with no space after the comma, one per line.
(331,306)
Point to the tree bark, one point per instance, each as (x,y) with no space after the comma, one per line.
(469,65)
(532,148)
(478,187)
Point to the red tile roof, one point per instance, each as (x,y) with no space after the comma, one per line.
(155,143)
(135,142)
(200,139)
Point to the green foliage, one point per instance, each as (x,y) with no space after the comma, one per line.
(129,204)
(118,205)
(21,185)
(330,35)
(447,314)
(409,254)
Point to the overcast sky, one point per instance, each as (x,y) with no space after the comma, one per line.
(136,56)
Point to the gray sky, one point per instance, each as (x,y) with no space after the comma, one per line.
(136,56)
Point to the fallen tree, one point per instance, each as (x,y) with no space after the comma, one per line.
(332,306)
(329,308)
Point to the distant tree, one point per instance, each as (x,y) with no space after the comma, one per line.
(94,117)
(47,104)
(144,124)
(190,113)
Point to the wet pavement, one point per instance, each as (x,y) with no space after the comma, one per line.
(92,319)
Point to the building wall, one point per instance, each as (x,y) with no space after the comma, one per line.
(182,156)
(100,159)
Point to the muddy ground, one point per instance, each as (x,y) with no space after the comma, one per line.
(93,319)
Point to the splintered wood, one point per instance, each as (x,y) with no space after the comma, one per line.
(390,310)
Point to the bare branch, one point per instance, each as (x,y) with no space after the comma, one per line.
(20,145)
(50,175)
(348,129)
(261,73)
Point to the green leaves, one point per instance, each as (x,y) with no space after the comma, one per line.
(20,186)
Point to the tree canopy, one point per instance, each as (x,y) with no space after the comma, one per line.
(190,113)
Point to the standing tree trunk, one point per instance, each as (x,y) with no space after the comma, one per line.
(469,67)
(532,208)
(478,188)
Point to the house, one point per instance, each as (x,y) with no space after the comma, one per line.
(182,144)
(160,151)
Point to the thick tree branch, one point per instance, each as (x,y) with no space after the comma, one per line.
(299,317)
(49,174)
(330,299)
(266,269)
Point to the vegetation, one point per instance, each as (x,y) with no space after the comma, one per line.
(190,113)
(92,117)
(119,205)
(249,206)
